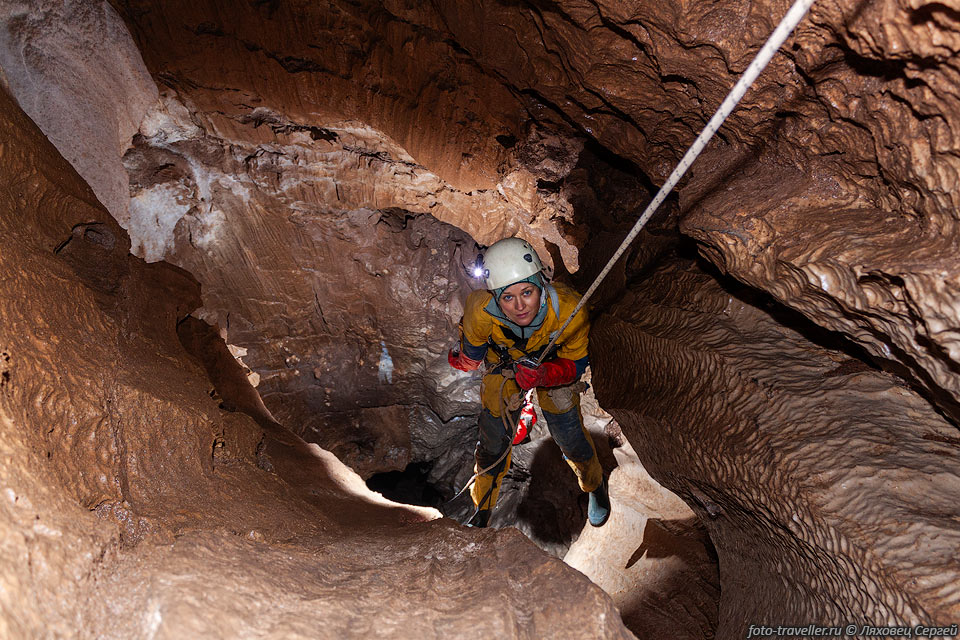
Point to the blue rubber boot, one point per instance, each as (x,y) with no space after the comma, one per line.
(598,509)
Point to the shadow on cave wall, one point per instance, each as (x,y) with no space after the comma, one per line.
(553,510)
(539,494)
(409,486)
(549,510)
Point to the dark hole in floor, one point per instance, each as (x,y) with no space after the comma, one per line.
(409,486)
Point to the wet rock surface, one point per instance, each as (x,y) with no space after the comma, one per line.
(76,72)
(316,70)
(653,556)
(838,157)
(342,327)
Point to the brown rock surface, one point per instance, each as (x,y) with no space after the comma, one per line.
(653,556)
(828,490)
(333,61)
(461,583)
(76,72)
(887,281)
(132,506)
(321,69)
(841,154)
(292,164)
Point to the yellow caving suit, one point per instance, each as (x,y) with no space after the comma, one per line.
(482,322)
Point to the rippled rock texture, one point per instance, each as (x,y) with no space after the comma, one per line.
(313,232)
(841,156)
(828,487)
(826,127)
(316,246)
(326,299)
(76,72)
(826,483)
(304,67)
(132,505)
(653,556)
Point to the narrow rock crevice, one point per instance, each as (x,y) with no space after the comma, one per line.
(236,241)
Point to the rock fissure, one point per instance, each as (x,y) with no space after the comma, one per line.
(305,188)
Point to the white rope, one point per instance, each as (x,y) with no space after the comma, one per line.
(777,38)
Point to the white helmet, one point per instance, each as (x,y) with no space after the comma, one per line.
(509,261)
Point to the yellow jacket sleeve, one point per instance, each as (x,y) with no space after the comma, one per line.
(477,324)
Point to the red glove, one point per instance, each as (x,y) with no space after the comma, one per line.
(462,362)
(555,373)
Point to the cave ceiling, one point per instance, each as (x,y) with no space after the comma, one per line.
(844,140)
(327,172)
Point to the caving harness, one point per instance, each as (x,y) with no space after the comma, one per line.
(506,367)
(792,18)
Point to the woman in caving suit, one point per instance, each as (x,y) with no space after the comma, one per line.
(518,315)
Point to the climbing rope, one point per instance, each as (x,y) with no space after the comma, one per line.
(777,38)
(759,63)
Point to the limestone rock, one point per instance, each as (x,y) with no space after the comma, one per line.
(652,556)
(814,478)
(75,70)
(305,162)
(131,507)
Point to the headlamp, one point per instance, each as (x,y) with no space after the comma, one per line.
(479,272)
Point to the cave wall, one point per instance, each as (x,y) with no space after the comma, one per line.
(829,119)
(831,188)
(828,487)
(839,157)
(313,236)
(76,72)
(134,505)
(83,387)
(82,304)
(302,66)
(37,557)
(345,334)
(311,163)
(824,127)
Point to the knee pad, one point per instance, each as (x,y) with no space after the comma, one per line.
(564,398)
